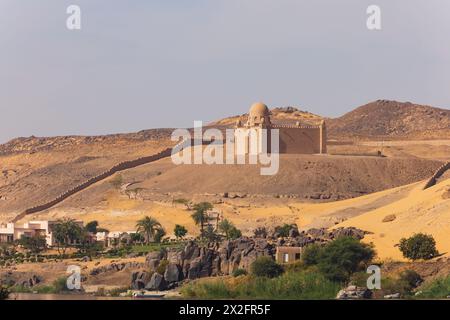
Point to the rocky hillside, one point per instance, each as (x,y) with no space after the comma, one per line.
(35,144)
(392,119)
(278,114)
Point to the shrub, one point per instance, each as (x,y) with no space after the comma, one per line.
(235,233)
(438,288)
(260,232)
(283,231)
(266,267)
(162,266)
(342,257)
(60,285)
(117,181)
(4,293)
(419,246)
(117,291)
(310,255)
(411,277)
(239,272)
(181,201)
(160,233)
(179,231)
(92,226)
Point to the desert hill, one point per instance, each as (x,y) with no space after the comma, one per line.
(392,119)
(39,178)
(36,170)
(278,115)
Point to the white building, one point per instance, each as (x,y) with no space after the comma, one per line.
(10,232)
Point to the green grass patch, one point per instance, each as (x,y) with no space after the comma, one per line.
(155,247)
(290,285)
(437,289)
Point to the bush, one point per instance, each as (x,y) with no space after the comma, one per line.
(412,278)
(340,258)
(60,285)
(283,231)
(239,272)
(4,293)
(266,267)
(419,246)
(260,232)
(235,233)
(310,255)
(437,289)
(162,266)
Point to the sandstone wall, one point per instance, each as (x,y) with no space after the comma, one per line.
(439,172)
(301,140)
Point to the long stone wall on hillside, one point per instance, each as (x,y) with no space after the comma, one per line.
(108,173)
(439,172)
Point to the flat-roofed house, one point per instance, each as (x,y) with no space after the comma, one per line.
(13,231)
(288,254)
(6,232)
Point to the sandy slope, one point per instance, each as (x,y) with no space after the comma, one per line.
(416,210)
(419,210)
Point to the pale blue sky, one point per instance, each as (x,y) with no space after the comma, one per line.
(141,64)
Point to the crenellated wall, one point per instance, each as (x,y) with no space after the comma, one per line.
(439,172)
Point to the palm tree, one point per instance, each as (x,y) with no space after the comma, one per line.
(226,226)
(149,227)
(200,216)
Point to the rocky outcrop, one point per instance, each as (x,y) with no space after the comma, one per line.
(215,259)
(139,280)
(354,292)
(114,267)
(195,261)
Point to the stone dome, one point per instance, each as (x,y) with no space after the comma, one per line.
(258,109)
(258,115)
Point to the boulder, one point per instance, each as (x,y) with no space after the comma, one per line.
(293,232)
(354,292)
(31,281)
(194,269)
(173,273)
(139,279)
(156,283)
(389,218)
(153,259)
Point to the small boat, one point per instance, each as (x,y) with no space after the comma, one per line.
(148,294)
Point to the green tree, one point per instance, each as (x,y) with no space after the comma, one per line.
(66,232)
(200,215)
(310,254)
(92,226)
(160,233)
(137,238)
(265,267)
(343,256)
(283,231)
(179,231)
(225,226)
(35,244)
(418,246)
(235,233)
(148,226)
(210,234)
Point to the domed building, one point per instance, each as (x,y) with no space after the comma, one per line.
(294,139)
(259,114)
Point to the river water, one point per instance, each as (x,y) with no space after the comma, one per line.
(51,296)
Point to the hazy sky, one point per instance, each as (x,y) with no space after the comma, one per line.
(141,64)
